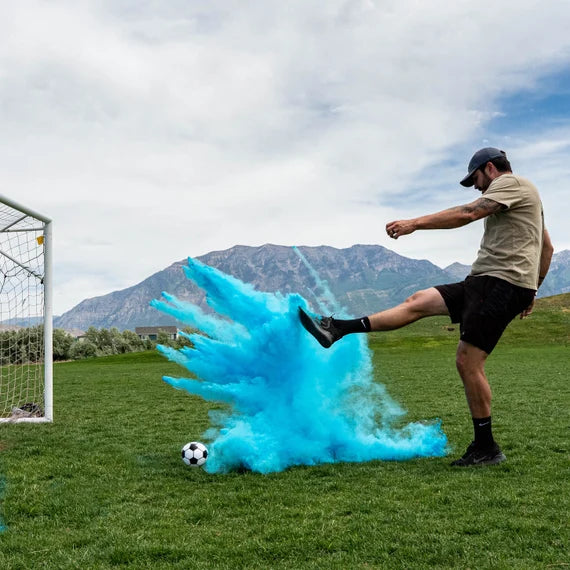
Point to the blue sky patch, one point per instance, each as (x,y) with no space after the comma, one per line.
(544,106)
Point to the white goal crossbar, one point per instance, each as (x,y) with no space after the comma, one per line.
(26,325)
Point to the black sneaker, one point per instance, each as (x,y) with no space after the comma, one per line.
(322,328)
(476,455)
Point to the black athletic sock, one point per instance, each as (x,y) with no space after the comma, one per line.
(352,326)
(483,432)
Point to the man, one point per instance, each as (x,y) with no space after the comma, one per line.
(511,264)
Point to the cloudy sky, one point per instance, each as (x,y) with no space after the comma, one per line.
(153,130)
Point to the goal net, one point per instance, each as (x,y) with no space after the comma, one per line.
(25,315)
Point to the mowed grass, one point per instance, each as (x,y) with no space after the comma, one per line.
(104,486)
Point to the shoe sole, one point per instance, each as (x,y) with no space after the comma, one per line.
(310,326)
(499,458)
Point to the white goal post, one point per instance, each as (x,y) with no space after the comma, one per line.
(26,326)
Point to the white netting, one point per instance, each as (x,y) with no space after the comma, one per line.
(21,314)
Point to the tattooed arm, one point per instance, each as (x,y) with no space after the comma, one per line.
(451,218)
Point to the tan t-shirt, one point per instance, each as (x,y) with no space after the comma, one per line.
(512,242)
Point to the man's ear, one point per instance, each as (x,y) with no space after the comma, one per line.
(490,170)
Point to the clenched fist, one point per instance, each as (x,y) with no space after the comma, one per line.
(400,228)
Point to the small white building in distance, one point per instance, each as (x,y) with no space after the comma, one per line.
(151,333)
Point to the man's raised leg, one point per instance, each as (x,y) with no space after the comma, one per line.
(425,303)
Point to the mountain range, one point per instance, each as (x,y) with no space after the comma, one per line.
(363,279)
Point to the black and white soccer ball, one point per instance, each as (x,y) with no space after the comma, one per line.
(195,454)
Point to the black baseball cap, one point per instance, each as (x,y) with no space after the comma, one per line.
(481,157)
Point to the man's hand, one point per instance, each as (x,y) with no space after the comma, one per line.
(400,228)
(528,310)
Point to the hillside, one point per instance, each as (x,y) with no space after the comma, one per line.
(561,302)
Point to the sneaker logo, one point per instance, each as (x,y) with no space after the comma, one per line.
(484,424)
(480,459)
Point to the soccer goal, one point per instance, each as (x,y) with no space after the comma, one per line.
(26,331)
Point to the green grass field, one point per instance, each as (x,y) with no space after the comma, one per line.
(104,486)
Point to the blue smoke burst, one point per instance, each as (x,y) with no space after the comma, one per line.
(290,402)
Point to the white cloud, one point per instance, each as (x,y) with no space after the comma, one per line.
(151,131)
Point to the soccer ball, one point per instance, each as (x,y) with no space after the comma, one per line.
(194,454)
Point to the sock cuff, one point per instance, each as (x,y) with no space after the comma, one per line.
(481,422)
(349,326)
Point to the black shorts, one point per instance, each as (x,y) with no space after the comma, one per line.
(484,306)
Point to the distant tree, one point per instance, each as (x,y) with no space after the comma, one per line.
(104,342)
(116,344)
(22,346)
(131,342)
(91,334)
(7,346)
(108,341)
(29,345)
(62,342)
(83,349)
(164,339)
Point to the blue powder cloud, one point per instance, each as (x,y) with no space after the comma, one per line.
(290,402)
